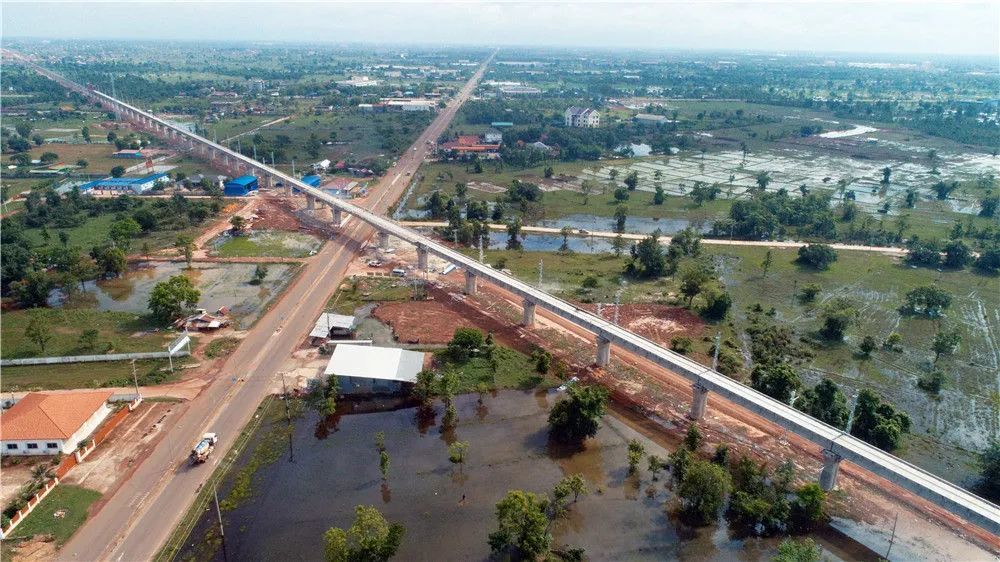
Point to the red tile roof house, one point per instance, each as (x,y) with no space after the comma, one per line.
(44,423)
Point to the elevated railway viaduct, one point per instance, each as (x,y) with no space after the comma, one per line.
(837,445)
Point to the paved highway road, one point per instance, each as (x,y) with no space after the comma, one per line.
(140,516)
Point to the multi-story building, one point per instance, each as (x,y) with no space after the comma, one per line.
(582,117)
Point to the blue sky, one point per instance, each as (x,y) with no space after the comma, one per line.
(873,27)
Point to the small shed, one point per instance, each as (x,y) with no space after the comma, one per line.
(330,325)
(374,370)
(243,185)
(312,180)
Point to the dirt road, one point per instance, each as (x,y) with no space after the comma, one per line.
(138,519)
(887,250)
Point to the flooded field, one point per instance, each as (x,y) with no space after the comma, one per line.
(448,511)
(790,168)
(221,284)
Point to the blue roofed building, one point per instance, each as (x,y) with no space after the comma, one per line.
(126,185)
(312,180)
(501,124)
(238,187)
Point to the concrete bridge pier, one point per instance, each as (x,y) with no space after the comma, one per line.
(603,351)
(831,466)
(383,239)
(310,202)
(422,258)
(699,400)
(338,216)
(528,318)
(470,283)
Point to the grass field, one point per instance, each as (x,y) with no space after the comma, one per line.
(98,156)
(118,332)
(514,370)
(270,244)
(964,416)
(71,501)
(94,232)
(88,375)
(359,291)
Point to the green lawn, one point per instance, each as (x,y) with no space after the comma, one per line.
(94,232)
(72,502)
(514,370)
(118,332)
(269,244)
(89,375)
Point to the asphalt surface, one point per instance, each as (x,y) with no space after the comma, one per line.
(138,519)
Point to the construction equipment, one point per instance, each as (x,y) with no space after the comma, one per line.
(203,448)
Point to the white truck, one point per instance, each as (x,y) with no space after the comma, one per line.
(203,448)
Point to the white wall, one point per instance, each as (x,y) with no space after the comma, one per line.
(87,428)
(23,450)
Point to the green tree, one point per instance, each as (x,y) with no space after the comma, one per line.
(693,438)
(111,260)
(33,289)
(618,245)
(768,261)
(23,128)
(763,179)
(945,342)
(85,132)
(522,526)
(632,180)
(259,274)
(659,197)
(989,471)
(169,299)
(88,338)
(82,163)
(878,422)
(38,331)
(578,416)
(238,223)
(808,507)
(123,232)
(817,256)
(957,254)
(118,171)
(693,279)
(867,346)
(648,259)
(514,234)
(805,550)
(929,300)
(383,463)
(777,380)
(655,464)
(703,491)
(380,441)
(838,315)
(424,389)
(456,452)
(809,292)
(621,215)
(825,402)
(185,245)
(636,451)
(371,538)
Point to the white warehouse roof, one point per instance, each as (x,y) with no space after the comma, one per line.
(369,362)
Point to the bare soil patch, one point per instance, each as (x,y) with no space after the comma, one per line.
(657,322)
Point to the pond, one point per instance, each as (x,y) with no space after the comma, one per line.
(221,284)
(448,510)
(640,225)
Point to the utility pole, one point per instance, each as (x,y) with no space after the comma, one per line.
(135,379)
(892,539)
(288,418)
(481,248)
(541,269)
(218,515)
(715,356)
(618,302)
(254,151)
(293,167)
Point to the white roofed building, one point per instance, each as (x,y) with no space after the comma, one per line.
(363,369)
(330,325)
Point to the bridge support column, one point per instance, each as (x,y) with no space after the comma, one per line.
(699,400)
(310,202)
(422,258)
(338,216)
(528,315)
(383,239)
(603,351)
(470,282)
(831,466)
